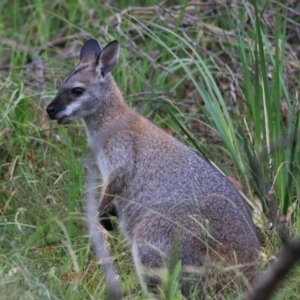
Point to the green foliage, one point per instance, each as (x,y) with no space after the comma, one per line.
(170,281)
(223,79)
(271,151)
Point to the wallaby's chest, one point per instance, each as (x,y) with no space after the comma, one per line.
(103,165)
(102,162)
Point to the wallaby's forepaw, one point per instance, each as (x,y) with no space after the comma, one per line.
(106,222)
(105,219)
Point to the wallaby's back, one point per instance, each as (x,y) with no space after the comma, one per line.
(171,203)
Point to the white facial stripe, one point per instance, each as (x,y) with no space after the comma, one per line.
(71,108)
(60,114)
(78,84)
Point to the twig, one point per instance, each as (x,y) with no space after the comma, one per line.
(287,260)
(290,253)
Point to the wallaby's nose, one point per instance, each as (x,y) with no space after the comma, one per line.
(51,110)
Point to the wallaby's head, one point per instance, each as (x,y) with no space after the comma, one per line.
(85,90)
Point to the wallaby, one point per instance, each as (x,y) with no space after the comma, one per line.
(163,192)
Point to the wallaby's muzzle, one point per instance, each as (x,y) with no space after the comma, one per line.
(51,110)
(57,112)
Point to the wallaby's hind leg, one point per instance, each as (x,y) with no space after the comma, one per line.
(233,228)
(214,261)
(149,265)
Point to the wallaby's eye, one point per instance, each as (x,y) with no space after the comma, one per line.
(77,91)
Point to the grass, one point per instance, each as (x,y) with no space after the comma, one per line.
(223,79)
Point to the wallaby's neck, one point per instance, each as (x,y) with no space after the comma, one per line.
(105,121)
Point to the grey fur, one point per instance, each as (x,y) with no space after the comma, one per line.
(161,188)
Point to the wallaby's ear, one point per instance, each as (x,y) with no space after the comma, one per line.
(90,51)
(108,58)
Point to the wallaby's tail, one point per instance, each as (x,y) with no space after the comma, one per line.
(95,234)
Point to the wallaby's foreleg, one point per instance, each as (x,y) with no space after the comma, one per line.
(114,188)
(149,265)
(107,209)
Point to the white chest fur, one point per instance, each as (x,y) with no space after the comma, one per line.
(96,146)
(102,165)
